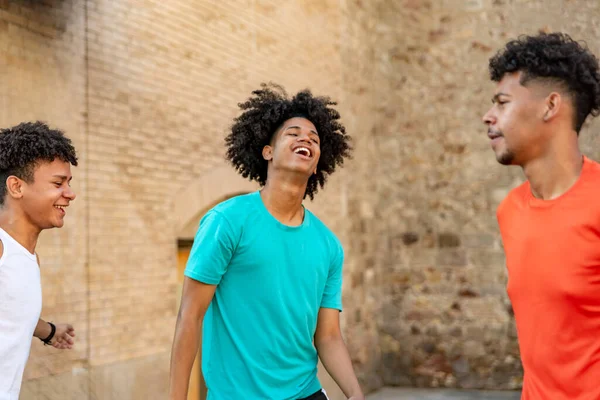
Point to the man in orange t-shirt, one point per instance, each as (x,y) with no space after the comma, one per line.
(550,225)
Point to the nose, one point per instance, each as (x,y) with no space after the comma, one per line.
(304,137)
(489,118)
(69,194)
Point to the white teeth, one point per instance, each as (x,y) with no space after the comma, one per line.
(304,150)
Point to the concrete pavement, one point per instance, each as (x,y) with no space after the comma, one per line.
(441,394)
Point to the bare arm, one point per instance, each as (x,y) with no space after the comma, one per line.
(64,334)
(42,329)
(333,353)
(195,299)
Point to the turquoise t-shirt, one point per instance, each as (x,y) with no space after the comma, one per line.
(271,281)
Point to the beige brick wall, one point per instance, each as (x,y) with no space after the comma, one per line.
(42,64)
(165,79)
(147,91)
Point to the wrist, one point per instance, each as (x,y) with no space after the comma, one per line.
(48,338)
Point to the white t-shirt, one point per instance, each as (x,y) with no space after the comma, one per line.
(20,308)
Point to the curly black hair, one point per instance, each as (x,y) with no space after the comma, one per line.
(557,58)
(265,112)
(22,147)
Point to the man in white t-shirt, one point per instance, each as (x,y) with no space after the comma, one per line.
(35,176)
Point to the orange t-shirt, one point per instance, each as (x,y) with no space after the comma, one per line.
(553,258)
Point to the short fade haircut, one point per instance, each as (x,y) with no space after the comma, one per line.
(556,58)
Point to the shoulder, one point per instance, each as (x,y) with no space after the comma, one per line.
(590,185)
(325,233)
(236,205)
(513,201)
(234,211)
(592,172)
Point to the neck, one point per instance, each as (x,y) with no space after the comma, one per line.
(17,227)
(551,175)
(283,198)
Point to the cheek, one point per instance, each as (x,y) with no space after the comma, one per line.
(49,196)
(512,122)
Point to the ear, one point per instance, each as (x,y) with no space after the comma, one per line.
(553,104)
(14,187)
(267,153)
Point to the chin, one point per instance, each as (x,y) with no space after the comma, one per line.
(505,158)
(54,224)
(300,169)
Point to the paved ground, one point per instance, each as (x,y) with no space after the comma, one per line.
(432,394)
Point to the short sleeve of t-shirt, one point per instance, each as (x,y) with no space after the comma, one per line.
(332,295)
(212,250)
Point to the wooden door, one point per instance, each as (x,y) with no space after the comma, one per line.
(197,389)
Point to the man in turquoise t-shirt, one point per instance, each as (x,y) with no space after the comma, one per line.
(264,277)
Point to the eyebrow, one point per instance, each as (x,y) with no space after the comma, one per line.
(297,127)
(497,96)
(63,177)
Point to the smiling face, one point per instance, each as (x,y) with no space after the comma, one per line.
(44,200)
(295,147)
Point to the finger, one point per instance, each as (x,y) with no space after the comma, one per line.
(68,339)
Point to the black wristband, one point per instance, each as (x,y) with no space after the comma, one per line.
(52,332)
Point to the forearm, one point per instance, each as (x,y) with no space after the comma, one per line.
(42,329)
(336,360)
(185,348)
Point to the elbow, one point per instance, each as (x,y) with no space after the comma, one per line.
(188,314)
(326,338)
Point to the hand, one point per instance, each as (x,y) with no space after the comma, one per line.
(357,397)
(64,337)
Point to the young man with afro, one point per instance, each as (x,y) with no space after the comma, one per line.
(264,277)
(35,170)
(547,85)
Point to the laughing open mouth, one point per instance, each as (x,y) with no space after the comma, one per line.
(304,151)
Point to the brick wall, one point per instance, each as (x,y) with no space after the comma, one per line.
(147,91)
(165,79)
(42,47)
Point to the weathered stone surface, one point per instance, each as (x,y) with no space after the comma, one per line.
(440,182)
